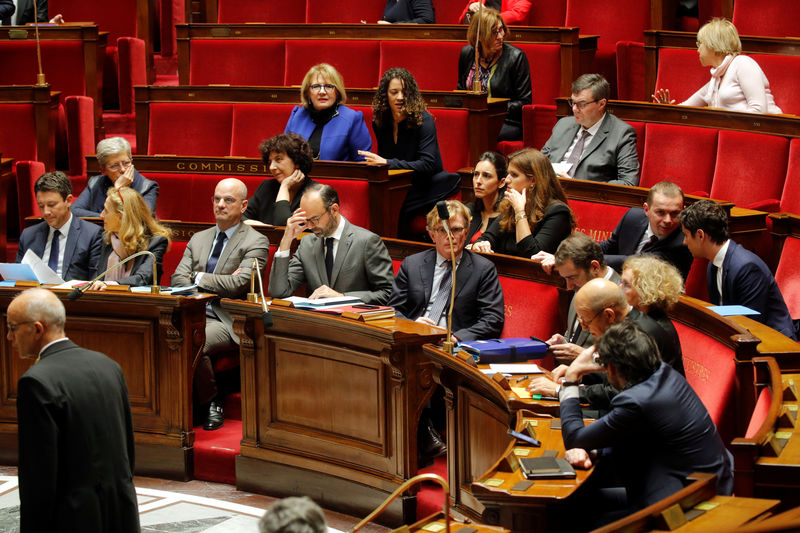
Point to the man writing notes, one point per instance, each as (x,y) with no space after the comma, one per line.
(597,145)
(736,276)
(70,246)
(338,259)
(423,285)
(219,260)
(653,230)
(76,452)
(656,432)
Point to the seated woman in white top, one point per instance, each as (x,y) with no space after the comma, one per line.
(737,82)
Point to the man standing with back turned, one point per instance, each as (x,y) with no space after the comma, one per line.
(76,453)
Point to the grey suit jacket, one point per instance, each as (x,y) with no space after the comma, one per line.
(583,337)
(362,267)
(245,245)
(611,155)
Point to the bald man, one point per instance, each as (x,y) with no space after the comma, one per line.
(76,452)
(600,304)
(219,260)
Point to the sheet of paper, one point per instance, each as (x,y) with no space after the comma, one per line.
(70,284)
(733,310)
(44,273)
(321,303)
(562,168)
(521,392)
(516,368)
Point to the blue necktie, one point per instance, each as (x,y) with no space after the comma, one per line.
(54,244)
(212,261)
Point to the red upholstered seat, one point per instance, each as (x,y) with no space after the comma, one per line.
(790,199)
(530,308)
(630,71)
(679,70)
(132,70)
(62,62)
(544,61)
(452,132)
(27,174)
(685,155)
(776,18)
(434,64)
(237,62)
(367,110)
(190,129)
(356,61)
(748,182)
(252,123)
(173,189)
(639,128)
(787,275)
(80,132)
(351,11)
(171,260)
(548,13)
(448,11)
(18,142)
(711,372)
(783,73)
(232,11)
(760,412)
(538,121)
(696,284)
(353,199)
(595,219)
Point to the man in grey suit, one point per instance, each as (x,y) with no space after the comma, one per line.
(338,259)
(69,245)
(598,145)
(219,260)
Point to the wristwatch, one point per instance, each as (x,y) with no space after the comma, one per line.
(570,383)
(192,277)
(519,216)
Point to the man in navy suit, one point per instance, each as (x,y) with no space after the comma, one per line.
(657,432)
(653,230)
(7,8)
(75,252)
(598,145)
(736,276)
(478,312)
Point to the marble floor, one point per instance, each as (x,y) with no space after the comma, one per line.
(182,507)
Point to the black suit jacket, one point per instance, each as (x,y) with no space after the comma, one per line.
(81,251)
(7,9)
(746,280)
(629,232)
(76,452)
(478,312)
(24,12)
(142,272)
(409,11)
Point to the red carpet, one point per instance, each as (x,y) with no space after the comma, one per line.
(215,452)
(430,497)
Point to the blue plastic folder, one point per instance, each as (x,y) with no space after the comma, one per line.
(513,350)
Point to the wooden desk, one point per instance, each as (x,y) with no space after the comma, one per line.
(330,406)
(155,340)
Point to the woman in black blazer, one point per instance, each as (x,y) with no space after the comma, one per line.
(130,228)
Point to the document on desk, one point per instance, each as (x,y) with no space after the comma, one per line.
(517,368)
(321,303)
(733,310)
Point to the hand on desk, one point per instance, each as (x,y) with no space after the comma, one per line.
(547,261)
(483,247)
(542,385)
(323,291)
(578,458)
(101,285)
(369,157)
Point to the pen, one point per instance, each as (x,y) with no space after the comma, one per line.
(540,397)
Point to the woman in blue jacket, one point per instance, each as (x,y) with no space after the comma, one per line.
(334,132)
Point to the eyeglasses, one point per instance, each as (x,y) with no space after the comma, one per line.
(13,327)
(315,220)
(455,231)
(317,87)
(120,165)
(499,31)
(584,324)
(581,105)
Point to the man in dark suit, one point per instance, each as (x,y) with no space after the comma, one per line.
(478,312)
(74,251)
(657,432)
(338,259)
(24,13)
(597,145)
(76,451)
(219,260)
(653,230)
(7,9)
(736,276)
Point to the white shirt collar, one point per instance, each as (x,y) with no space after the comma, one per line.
(596,126)
(64,229)
(720,257)
(228,232)
(49,344)
(337,234)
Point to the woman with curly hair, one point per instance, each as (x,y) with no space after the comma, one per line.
(129,228)
(534,215)
(653,286)
(406,135)
(289,158)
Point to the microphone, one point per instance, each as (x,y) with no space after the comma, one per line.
(266,316)
(476,82)
(77,292)
(40,80)
(444,215)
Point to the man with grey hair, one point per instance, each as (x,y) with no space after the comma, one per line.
(597,145)
(293,515)
(76,450)
(114,156)
(219,260)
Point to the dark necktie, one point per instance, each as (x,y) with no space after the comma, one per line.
(329,258)
(577,152)
(219,243)
(649,244)
(443,296)
(54,244)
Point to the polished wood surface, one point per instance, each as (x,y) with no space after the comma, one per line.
(155,340)
(331,403)
(45,116)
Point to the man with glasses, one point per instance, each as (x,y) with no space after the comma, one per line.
(339,259)
(597,145)
(421,289)
(219,260)
(114,156)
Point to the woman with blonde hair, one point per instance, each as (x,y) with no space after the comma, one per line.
(333,131)
(737,82)
(129,228)
(654,286)
(534,215)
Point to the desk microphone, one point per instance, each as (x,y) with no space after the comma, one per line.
(266,316)
(444,215)
(77,292)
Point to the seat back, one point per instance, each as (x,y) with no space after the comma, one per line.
(62,63)
(782,72)
(237,62)
(776,18)
(544,61)
(448,11)
(595,219)
(233,11)
(529,308)
(27,174)
(18,142)
(680,71)
(252,123)
(190,129)
(356,61)
(121,21)
(452,133)
(639,128)
(548,13)
(682,154)
(790,199)
(354,198)
(787,275)
(538,121)
(434,65)
(621,20)
(352,11)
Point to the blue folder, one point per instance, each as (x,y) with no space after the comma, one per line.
(511,350)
